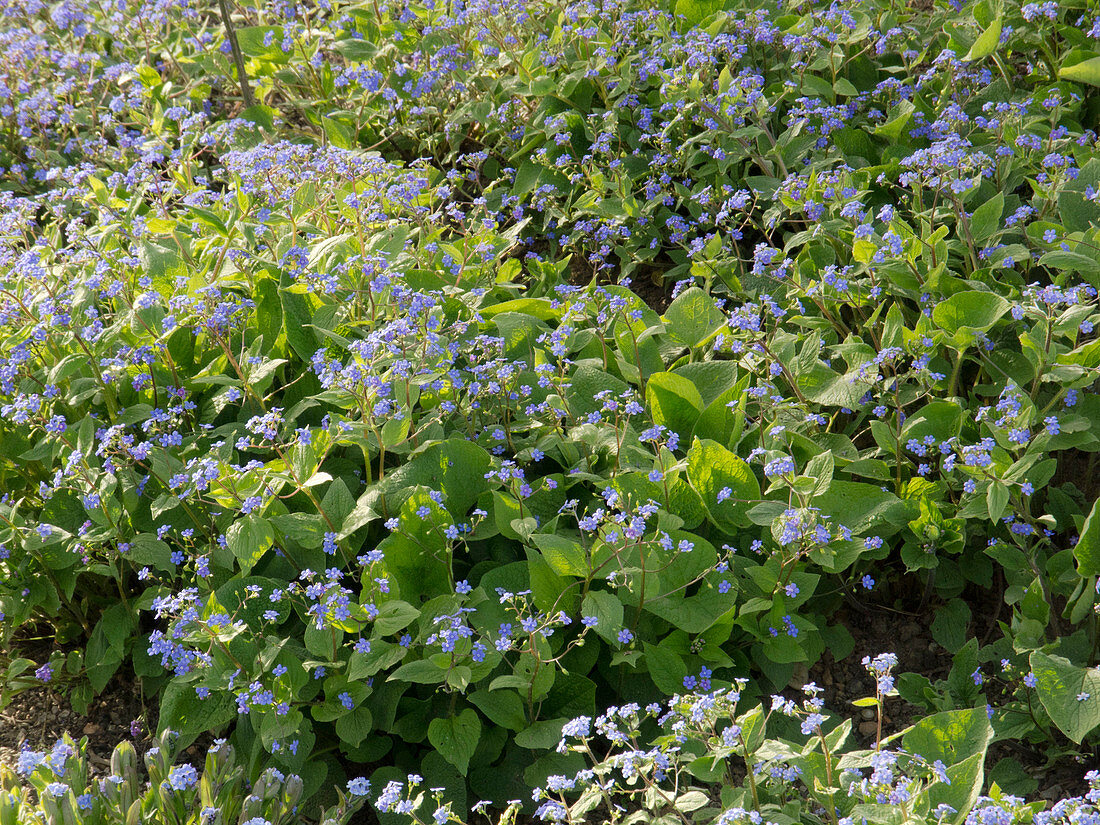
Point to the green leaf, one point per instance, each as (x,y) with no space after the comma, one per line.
(996,498)
(859,507)
(541,308)
(950,624)
(1010,776)
(251,40)
(940,419)
(950,736)
(843,86)
(527,177)
(666,668)
(269,312)
(986,219)
(828,387)
(339,133)
(693,317)
(383,655)
(963,664)
(878,813)
(298,310)
(519,331)
(183,711)
(971,310)
(961,791)
(565,555)
(1034,605)
(361,515)
(585,384)
(240,603)
(146,550)
(711,470)
(713,379)
(608,610)
(503,707)
(1077,212)
(307,529)
(415,554)
(421,671)
(695,12)
(900,114)
(1087,71)
(548,589)
(274,727)
(100,660)
(249,538)
(695,613)
(1070,694)
(1065,259)
(987,41)
(541,735)
(463,465)
(674,402)
(393,616)
(456,738)
(1087,549)
(354,727)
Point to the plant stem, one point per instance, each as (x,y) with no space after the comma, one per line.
(238,57)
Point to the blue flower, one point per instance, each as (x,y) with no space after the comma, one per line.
(359,786)
(182,777)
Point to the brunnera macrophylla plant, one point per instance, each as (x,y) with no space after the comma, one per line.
(337,421)
(710,756)
(704,756)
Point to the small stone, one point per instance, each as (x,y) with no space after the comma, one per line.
(91,728)
(867,728)
(799,677)
(867,713)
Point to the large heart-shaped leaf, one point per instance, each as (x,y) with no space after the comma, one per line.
(1070,694)
(456,738)
(725,482)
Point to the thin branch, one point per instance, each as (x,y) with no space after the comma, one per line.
(238,58)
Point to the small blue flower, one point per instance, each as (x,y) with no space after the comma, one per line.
(182,777)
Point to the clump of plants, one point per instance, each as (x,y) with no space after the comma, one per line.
(56,787)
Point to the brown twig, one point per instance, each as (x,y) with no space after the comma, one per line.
(238,58)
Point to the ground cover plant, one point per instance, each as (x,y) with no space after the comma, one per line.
(393,388)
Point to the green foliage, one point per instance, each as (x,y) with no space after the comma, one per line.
(342,422)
